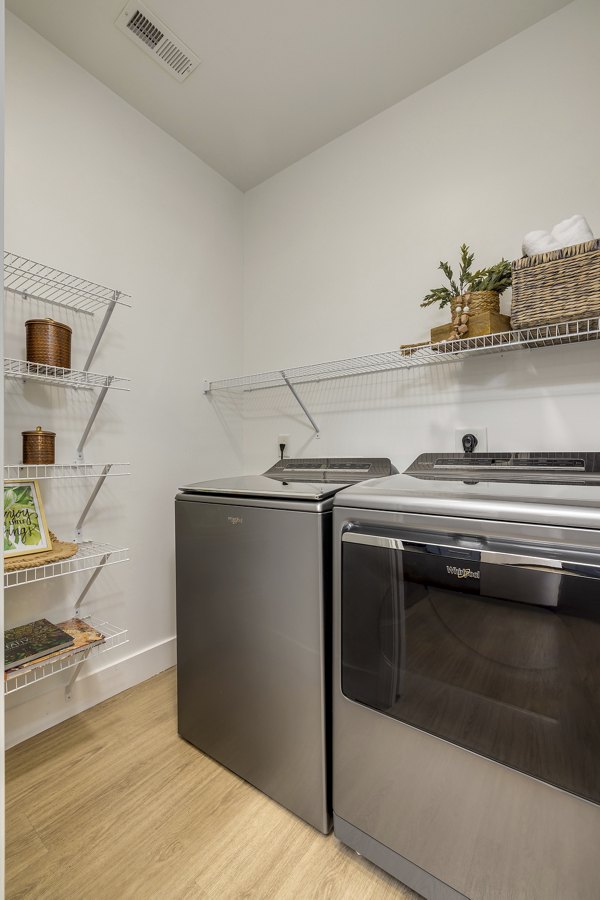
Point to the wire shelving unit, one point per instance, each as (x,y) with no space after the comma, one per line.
(28,280)
(90,555)
(32,280)
(14,471)
(412,357)
(424,355)
(28,371)
(22,676)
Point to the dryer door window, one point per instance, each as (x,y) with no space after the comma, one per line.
(494,652)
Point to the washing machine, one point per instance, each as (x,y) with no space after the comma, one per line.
(253,565)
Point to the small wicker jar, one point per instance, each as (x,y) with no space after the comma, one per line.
(477,301)
(38,447)
(483,317)
(48,343)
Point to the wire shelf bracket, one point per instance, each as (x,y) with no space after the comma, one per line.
(97,570)
(74,676)
(101,479)
(97,406)
(300,403)
(100,333)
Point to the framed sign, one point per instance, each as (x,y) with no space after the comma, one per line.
(25,528)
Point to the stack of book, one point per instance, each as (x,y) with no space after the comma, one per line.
(36,642)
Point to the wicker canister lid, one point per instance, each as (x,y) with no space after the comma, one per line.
(49,322)
(40,430)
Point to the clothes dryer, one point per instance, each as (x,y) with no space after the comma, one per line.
(467,675)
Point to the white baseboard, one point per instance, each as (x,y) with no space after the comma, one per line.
(40,706)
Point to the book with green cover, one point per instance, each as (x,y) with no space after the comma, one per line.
(84,637)
(28,642)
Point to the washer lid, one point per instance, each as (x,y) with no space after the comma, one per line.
(572,505)
(300,479)
(262,486)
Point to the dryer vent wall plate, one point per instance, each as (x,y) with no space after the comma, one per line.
(479,431)
(157,40)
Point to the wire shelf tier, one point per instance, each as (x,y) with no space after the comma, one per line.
(35,281)
(424,355)
(21,677)
(20,368)
(90,555)
(81,470)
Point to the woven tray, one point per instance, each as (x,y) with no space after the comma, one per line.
(60,550)
(557,286)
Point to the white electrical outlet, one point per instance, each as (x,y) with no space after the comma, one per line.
(480,432)
(283,439)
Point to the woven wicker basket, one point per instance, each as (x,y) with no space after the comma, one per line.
(477,301)
(48,343)
(557,286)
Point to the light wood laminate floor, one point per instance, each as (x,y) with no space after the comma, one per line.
(113,804)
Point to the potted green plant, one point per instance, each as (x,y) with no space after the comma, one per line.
(470,295)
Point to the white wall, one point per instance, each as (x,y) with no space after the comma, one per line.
(94,188)
(2,817)
(341,247)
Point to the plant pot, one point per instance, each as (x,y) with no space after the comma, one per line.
(477,301)
(484,316)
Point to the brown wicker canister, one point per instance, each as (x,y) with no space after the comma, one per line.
(557,286)
(38,447)
(48,343)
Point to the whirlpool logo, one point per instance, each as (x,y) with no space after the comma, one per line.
(462,573)
(235,520)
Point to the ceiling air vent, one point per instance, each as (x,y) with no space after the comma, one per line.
(158,41)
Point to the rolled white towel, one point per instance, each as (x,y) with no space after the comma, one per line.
(572,231)
(539,242)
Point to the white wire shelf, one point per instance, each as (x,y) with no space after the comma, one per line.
(427,354)
(59,470)
(34,281)
(21,677)
(90,555)
(20,368)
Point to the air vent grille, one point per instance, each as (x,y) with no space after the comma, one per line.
(144,29)
(175,58)
(158,41)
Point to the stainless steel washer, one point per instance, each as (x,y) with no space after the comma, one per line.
(253,558)
(466,709)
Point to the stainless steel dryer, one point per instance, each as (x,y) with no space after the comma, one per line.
(253,559)
(466,745)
